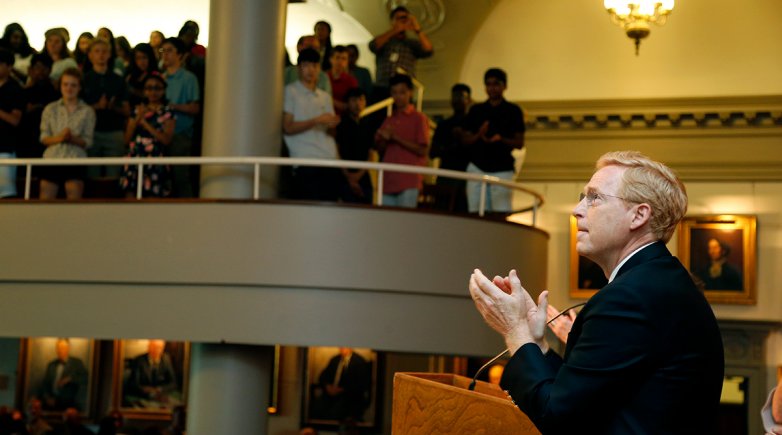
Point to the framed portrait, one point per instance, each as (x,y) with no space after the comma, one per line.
(150,377)
(60,372)
(586,277)
(340,387)
(719,251)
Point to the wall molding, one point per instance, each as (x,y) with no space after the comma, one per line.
(703,139)
(656,114)
(645,114)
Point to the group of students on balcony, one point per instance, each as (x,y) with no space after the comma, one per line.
(322,120)
(325,95)
(103,100)
(108,100)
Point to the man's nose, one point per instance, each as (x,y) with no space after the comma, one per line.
(580,209)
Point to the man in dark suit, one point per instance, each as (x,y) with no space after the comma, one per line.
(345,384)
(152,376)
(645,354)
(65,377)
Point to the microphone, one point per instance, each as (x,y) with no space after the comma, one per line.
(491,361)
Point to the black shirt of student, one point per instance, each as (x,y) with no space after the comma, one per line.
(39,95)
(504,119)
(452,153)
(354,139)
(113,87)
(11,98)
(135,90)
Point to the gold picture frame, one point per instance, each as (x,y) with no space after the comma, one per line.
(77,384)
(146,391)
(586,277)
(719,251)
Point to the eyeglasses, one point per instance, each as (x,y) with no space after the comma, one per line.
(153,88)
(592,196)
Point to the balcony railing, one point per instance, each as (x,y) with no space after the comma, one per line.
(535,199)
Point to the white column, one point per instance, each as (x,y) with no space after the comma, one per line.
(229,389)
(243,95)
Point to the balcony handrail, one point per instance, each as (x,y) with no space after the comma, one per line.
(256,162)
(388,104)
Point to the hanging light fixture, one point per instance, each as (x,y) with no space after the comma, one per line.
(635,16)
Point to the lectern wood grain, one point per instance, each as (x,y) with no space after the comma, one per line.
(434,403)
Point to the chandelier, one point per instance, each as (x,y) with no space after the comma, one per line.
(635,16)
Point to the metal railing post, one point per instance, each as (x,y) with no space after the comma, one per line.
(140,181)
(380,187)
(27,181)
(482,203)
(534,212)
(256,181)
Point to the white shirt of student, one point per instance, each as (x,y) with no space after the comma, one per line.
(305,104)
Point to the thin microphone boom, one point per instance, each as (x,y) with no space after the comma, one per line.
(483,367)
(491,361)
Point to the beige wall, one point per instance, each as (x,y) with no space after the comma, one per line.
(569,49)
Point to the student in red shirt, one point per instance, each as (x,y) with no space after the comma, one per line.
(403,138)
(340,78)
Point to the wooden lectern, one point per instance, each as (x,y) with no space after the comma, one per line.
(439,403)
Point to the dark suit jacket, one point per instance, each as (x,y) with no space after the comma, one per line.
(67,395)
(143,375)
(355,380)
(644,356)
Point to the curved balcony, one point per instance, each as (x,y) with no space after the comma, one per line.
(257,272)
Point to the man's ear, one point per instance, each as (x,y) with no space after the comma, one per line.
(642,213)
